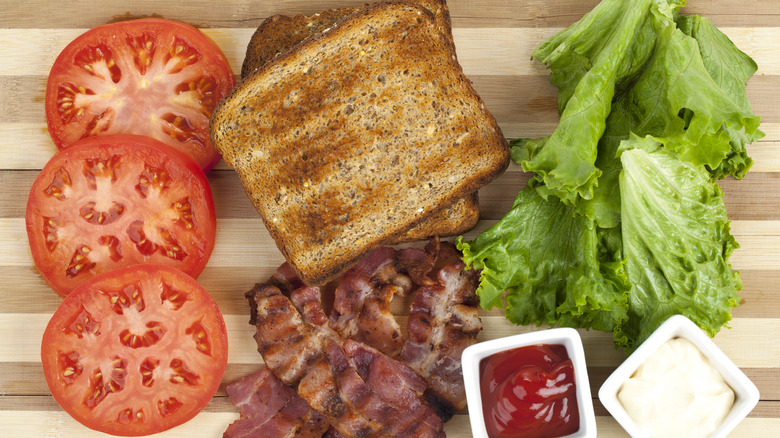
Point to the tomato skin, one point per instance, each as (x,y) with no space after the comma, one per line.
(135,387)
(83,221)
(119,78)
(529,392)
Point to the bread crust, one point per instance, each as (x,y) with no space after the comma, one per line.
(356,135)
(280,33)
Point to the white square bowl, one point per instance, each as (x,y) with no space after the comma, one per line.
(567,337)
(678,326)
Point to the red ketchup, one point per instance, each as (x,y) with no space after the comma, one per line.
(529,392)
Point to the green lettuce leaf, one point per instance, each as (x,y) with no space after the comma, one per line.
(552,265)
(676,241)
(677,99)
(589,61)
(623,225)
(730,68)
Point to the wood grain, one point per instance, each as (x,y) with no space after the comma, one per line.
(495,40)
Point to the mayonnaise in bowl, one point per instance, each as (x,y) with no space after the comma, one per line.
(677,392)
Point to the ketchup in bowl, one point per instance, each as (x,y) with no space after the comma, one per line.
(529,392)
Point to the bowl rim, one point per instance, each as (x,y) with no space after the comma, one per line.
(568,337)
(678,326)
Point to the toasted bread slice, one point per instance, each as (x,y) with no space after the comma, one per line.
(355,135)
(280,33)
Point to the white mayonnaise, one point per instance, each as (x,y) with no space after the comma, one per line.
(677,392)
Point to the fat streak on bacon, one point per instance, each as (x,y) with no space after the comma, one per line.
(351,368)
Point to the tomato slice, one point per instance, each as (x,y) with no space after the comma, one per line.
(151,76)
(113,201)
(135,351)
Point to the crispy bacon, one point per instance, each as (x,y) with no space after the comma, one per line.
(333,433)
(287,345)
(324,376)
(443,321)
(286,279)
(361,304)
(269,408)
(395,382)
(337,367)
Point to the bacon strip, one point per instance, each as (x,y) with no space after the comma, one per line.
(287,345)
(324,377)
(352,385)
(269,408)
(443,321)
(396,383)
(361,304)
(286,279)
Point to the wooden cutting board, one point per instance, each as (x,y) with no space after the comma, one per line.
(494,41)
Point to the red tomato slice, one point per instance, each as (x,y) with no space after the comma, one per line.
(114,201)
(153,77)
(135,351)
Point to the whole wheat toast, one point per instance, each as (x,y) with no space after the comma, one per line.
(280,33)
(355,135)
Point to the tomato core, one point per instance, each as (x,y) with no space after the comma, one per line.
(529,392)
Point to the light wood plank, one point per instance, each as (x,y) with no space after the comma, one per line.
(227,286)
(510,98)
(529,99)
(481,51)
(221,403)
(755,228)
(23,333)
(745,199)
(57,423)
(33,138)
(246,243)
